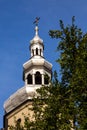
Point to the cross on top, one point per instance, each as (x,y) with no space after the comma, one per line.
(36,21)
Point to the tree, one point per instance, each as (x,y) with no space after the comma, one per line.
(73,62)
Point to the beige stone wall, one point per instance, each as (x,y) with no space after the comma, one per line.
(19,113)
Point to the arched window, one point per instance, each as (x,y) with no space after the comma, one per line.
(19,120)
(36,51)
(46,79)
(29,79)
(38,78)
(18,123)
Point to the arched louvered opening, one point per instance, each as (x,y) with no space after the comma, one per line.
(38,78)
(46,79)
(36,51)
(29,79)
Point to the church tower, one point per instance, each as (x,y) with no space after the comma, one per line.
(36,72)
(37,68)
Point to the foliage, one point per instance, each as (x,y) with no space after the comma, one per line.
(73,62)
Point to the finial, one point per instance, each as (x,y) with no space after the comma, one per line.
(36,30)
(36,21)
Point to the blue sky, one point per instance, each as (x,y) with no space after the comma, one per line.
(17,29)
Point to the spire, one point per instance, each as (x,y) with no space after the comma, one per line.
(36,30)
(36,22)
(36,38)
(36,44)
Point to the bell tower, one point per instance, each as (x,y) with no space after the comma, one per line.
(36,72)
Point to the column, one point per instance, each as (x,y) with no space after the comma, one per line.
(33,79)
(42,79)
(26,81)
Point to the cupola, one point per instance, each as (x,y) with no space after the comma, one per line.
(37,67)
(36,44)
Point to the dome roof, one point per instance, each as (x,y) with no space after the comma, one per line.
(23,94)
(36,38)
